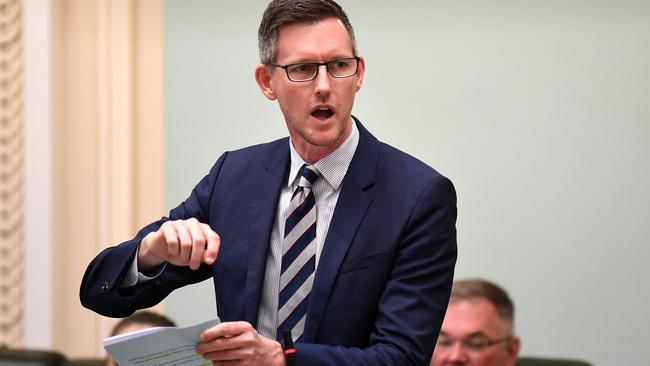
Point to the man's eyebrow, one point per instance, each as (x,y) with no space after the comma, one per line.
(311,61)
(477,334)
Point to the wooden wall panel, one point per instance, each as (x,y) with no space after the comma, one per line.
(100,110)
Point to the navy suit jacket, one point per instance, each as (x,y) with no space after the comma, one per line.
(385,271)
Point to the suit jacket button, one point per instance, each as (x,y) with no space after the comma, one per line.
(106,286)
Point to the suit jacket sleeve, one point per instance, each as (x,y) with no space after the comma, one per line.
(101,289)
(413,304)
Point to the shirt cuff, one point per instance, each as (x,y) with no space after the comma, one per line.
(134,277)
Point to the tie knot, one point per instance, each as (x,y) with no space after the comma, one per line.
(308,175)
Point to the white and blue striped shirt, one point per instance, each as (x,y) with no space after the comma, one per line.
(327,188)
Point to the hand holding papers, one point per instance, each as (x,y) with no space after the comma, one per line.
(159,346)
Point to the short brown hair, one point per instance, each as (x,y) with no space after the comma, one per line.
(143,317)
(476,288)
(280,13)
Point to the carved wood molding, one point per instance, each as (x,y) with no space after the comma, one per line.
(11,175)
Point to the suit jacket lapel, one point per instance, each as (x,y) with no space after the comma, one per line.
(354,200)
(265,191)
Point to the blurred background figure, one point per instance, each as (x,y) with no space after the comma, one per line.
(138,321)
(478,329)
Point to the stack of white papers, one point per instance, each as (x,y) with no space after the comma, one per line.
(159,346)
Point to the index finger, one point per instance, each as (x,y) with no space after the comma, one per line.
(227,329)
(198,243)
(213,241)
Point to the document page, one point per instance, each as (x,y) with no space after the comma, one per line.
(159,346)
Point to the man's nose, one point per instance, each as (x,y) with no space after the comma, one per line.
(457,354)
(322,80)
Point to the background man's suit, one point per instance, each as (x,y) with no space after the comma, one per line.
(383,280)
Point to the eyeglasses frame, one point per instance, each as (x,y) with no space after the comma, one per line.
(489,343)
(318,65)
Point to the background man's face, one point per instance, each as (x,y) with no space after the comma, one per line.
(475,319)
(317,112)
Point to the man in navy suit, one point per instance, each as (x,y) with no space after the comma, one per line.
(376,227)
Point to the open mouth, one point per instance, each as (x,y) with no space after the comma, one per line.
(322,113)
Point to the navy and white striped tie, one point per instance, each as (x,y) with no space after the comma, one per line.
(298,256)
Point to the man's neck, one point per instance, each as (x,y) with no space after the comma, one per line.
(311,154)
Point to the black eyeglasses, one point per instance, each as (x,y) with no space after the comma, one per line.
(307,71)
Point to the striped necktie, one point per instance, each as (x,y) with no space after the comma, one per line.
(298,256)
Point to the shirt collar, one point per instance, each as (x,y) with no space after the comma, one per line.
(331,167)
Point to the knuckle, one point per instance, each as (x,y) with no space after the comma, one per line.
(207,228)
(170,238)
(167,228)
(171,247)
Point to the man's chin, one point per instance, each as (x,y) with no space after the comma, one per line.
(329,138)
(323,143)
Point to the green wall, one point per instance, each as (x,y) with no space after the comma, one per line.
(538,111)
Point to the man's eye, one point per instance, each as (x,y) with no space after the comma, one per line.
(476,343)
(301,68)
(340,64)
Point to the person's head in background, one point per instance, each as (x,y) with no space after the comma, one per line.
(478,329)
(138,321)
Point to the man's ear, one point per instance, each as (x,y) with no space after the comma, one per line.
(513,346)
(263,78)
(360,73)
